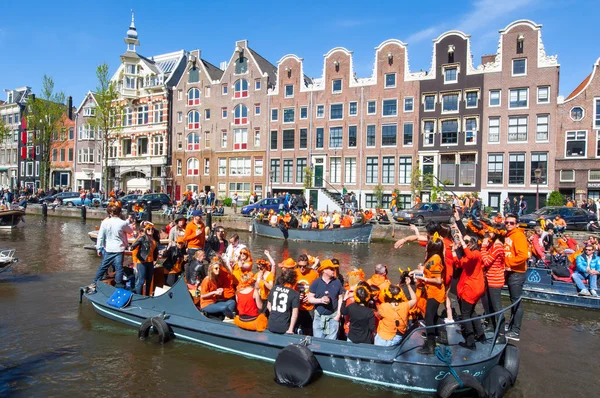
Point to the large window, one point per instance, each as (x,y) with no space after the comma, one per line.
(539,160)
(222,167)
(516,168)
(193,167)
(541,131)
(448,169)
(597,113)
(428,133)
(303,138)
(239,166)
(193,142)
(335,170)
(240,139)
(274,140)
(388,134)
(241,65)
(335,137)
(289,115)
(390,107)
(517,129)
(407,139)
(142,115)
(466,169)
(288,139)
(404,170)
(494,129)
(450,103)
(519,98)
(449,132)
(127,117)
(470,131)
(275,171)
(142,146)
(494,97)
(576,144)
(352,133)
(194,97)
(240,114)
(240,89)
(372,170)
(300,166)
(495,168)
(241,188)
(288,165)
(193,120)
(388,170)
(258,166)
(320,138)
(336,111)
(350,170)
(519,67)
(429,103)
(371,135)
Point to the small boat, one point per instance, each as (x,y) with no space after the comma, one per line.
(399,366)
(94,238)
(11,218)
(7,257)
(541,286)
(355,234)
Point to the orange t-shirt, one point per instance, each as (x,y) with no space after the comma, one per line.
(433,269)
(195,241)
(305,280)
(237,274)
(389,314)
(264,292)
(206,287)
(346,222)
(382,282)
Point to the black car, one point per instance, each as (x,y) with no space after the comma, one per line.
(158,200)
(421,213)
(125,200)
(575,217)
(61,196)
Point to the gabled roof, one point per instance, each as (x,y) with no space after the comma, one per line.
(213,72)
(87,95)
(580,88)
(264,66)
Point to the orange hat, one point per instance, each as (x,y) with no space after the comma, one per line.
(327,264)
(311,259)
(148,226)
(288,263)
(180,240)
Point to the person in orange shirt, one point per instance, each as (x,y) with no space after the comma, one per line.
(195,236)
(305,276)
(498,219)
(380,280)
(145,251)
(393,315)
(347,220)
(241,267)
(560,225)
(215,290)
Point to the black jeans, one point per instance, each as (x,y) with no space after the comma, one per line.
(189,272)
(304,322)
(492,302)
(171,279)
(432,317)
(472,328)
(515,281)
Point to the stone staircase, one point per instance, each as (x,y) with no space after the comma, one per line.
(334,196)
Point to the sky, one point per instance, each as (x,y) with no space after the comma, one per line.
(68,40)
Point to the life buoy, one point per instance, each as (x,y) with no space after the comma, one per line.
(450,385)
(511,361)
(497,382)
(296,366)
(160,327)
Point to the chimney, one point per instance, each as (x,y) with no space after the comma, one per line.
(486,59)
(70,105)
(223,65)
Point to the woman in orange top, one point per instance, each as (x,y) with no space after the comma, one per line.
(393,315)
(145,251)
(249,306)
(346,221)
(265,277)
(242,266)
(214,288)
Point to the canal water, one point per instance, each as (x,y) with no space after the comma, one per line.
(51,345)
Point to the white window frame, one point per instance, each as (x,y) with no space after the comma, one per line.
(499,131)
(445,68)
(467,92)
(224,113)
(490,98)
(512,67)
(274,119)
(582,113)
(285,91)
(389,99)
(434,102)
(477,128)
(257,84)
(179,167)
(179,117)
(457,103)
(375,111)
(257,109)
(538,95)
(385,85)
(341,86)
(590,175)
(206,166)
(224,89)
(518,89)
(283,115)
(413,104)
(508,130)
(317,111)
(425,144)
(564,179)
(537,117)
(349,107)
(300,113)
(596,115)
(585,140)
(336,103)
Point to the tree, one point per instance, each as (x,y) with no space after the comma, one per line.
(44,117)
(555,199)
(107,109)
(4,131)
(308,176)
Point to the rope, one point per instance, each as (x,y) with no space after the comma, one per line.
(447,359)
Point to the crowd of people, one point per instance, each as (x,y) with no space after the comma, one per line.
(312,219)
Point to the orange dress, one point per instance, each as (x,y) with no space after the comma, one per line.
(434,269)
(393,319)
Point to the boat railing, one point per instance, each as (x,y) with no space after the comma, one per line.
(408,344)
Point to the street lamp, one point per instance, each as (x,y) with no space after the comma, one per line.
(538,173)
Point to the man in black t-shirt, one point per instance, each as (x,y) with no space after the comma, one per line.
(283,303)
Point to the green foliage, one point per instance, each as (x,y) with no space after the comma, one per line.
(416,185)
(308,176)
(555,199)
(4,131)
(227,202)
(436,190)
(378,193)
(247,201)
(396,191)
(488,210)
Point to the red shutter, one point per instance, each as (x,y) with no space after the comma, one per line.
(24,123)
(32,152)
(24,137)
(23,153)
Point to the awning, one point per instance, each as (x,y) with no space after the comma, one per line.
(3,169)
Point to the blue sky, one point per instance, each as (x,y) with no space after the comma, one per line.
(67,40)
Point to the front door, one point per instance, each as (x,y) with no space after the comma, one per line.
(318,176)
(314,198)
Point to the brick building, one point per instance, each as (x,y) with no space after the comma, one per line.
(88,148)
(62,152)
(12,112)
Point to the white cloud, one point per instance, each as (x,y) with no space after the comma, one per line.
(421,35)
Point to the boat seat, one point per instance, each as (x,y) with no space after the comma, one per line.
(562,279)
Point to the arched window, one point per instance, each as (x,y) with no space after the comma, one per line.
(240,115)
(240,89)
(194,96)
(193,167)
(193,120)
(193,142)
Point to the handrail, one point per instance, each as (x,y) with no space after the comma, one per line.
(327,183)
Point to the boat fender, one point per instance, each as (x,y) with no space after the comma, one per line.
(160,326)
(497,382)
(451,385)
(511,361)
(296,366)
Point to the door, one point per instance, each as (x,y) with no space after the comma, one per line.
(318,176)
(494,201)
(314,198)
(177,192)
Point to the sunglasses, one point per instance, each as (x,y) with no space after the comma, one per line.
(510,223)
(589,250)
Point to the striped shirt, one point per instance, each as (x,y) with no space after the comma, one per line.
(493,263)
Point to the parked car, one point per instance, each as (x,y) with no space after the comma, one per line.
(124,200)
(575,217)
(266,203)
(62,196)
(421,213)
(158,200)
(95,201)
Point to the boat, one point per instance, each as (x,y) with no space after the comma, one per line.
(7,258)
(94,238)
(541,286)
(355,234)
(11,218)
(397,367)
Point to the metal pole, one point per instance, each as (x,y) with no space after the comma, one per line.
(537,193)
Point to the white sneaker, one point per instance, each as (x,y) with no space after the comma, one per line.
(594,293)
(584,292)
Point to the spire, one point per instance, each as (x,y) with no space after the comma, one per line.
(132,35)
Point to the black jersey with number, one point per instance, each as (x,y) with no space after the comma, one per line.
(283,300)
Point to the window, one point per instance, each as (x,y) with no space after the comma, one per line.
(206,166)
(450,75)
(466,169)
(470,131)
(70,158)
(85,155)
(371,107)
(194,96)
(408,134)
(472,97)
(207,114)
(126,146)
(289,115)
(598,144)
(158,113)
(350,170)
(288,165)
(240,139)
(518,98)
(179,117)
(303,138)
(352,134)
(289,91)
(429,103)
(494,129)
(179,169)
(320,111)
(274,140)
(288,139)
(222,166)
(543,95)
(388,135)
(207,139)
(390,107)
(336,111)
(567,175)
(390,80)
(371,135)
(258,167)
(353,108)
(239,166)
(388,170)
(336,86)
(193,142)
(130,82)
(517,129)
(240,89)
(371,201)
(494,97)
(71,133)
(207,91)
(257,109)
(193,120)
(303,112)
(142,146)
(576,144)
(194,75)
(335,137)
(320,138)
(495,168)
(224,89)
(54,155)
(404,170)
(448,169)
(594,175)
(577,113)
(274,115)
(450,103)
(257,84)
(541,131)
(597,113)
(372,170)
(241,65)
(449,132)
(240,114)
(516,168)
(519,67)
(224,139)
(539,160)
(193,167)
(409,104)
(300,166)
(335,170)
(428,133)
(127,117)
(275,163)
